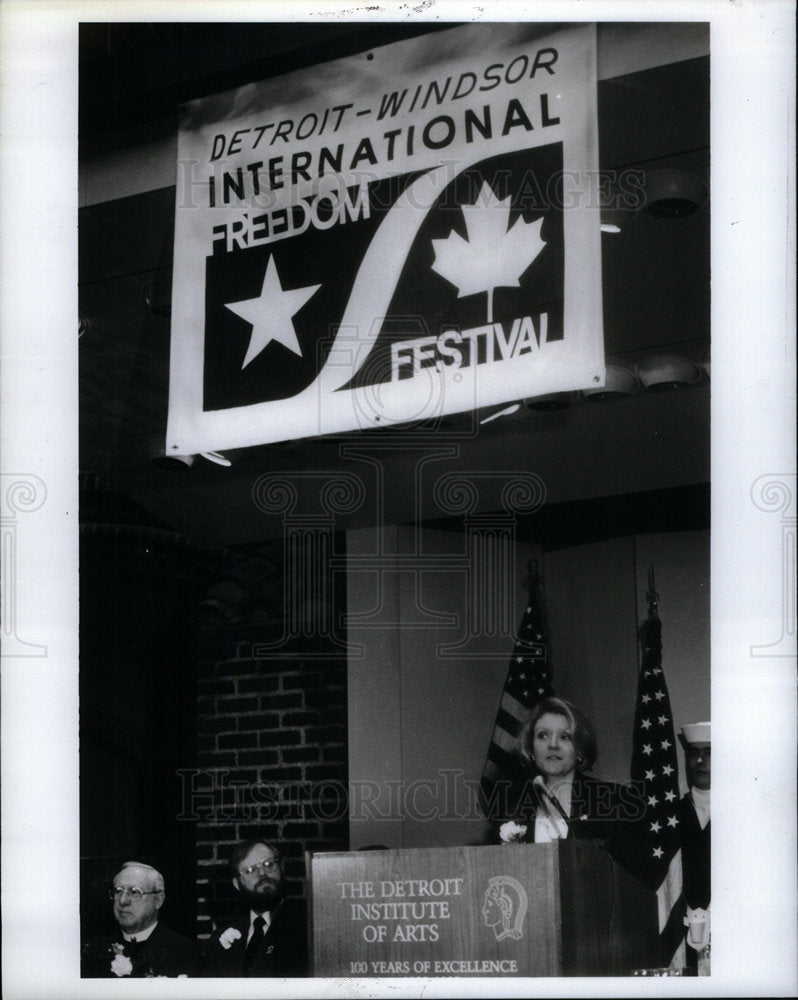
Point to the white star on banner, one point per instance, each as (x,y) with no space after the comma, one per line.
(667,770)
(645,724)
(665,744)
(652,800)
(646,699)
(271,313)
(657,852)
(662,720)
(670,796)
(659,695)
(647,750)
(649,775)
(672,821)
(655,827)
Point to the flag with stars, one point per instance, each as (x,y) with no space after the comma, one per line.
(655,769)
(528,680)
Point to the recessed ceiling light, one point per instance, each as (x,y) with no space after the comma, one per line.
(661,372)
(671,194)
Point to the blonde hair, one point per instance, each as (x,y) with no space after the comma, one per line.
(584,736)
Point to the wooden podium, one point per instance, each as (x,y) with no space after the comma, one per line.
(559,909)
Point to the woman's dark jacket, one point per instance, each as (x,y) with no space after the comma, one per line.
(600,811)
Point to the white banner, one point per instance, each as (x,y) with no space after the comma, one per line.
(390,237)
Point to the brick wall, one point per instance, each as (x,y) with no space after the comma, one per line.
(271,763)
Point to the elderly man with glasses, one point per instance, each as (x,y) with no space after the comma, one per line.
(143,945)
(270,938)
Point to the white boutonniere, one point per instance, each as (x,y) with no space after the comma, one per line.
(227,938)
(120,964)
(512,832)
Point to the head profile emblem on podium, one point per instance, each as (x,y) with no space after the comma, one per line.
(505,906)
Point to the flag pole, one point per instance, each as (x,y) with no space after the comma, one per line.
(652,596)
(528,680)
(654,771)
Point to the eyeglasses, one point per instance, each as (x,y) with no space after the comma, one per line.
(267,865)
(118,892)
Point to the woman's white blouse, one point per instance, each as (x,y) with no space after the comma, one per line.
(549,825)
(548,828)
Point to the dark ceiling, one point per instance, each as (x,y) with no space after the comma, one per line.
(134,76)
(656,286)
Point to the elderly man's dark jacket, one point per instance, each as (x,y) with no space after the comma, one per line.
(164,953)
(282,953)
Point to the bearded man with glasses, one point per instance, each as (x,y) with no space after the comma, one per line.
(143,945)
(270,938)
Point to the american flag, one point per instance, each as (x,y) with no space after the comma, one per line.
(528,680)
(655,769)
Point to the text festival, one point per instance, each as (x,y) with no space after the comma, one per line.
(464,348)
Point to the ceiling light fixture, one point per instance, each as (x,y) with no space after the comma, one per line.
(619,381)
(663,372)
(671,194)
(172,462)
(551,401)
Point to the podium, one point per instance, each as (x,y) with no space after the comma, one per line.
(559,909)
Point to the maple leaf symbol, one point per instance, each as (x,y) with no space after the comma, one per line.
(494,255)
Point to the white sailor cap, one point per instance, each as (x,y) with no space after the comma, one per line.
(696,732)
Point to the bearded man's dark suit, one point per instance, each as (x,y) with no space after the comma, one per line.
(164,953)
(283,952)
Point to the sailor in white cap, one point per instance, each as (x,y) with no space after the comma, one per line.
(696,839)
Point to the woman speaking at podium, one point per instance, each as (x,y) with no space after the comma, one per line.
(557,745)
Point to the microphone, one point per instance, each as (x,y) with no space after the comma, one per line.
(539,784)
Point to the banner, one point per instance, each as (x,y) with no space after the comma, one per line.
(390,237)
